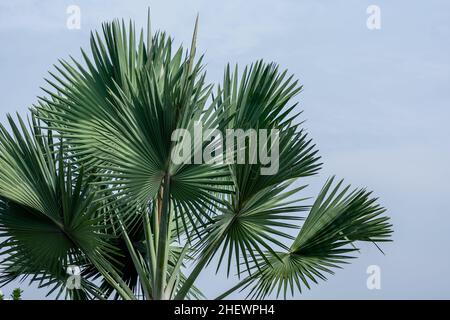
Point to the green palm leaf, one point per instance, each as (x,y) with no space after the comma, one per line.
(47,212)
(337,219)
(261,204)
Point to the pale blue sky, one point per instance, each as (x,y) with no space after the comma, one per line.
(376,103)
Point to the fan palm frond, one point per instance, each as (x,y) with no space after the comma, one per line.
(336,221)
(47,212)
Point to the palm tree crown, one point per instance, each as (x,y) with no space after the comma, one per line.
(89,181)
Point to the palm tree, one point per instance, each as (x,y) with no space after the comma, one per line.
(88,181)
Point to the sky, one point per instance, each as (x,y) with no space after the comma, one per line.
(376,103)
